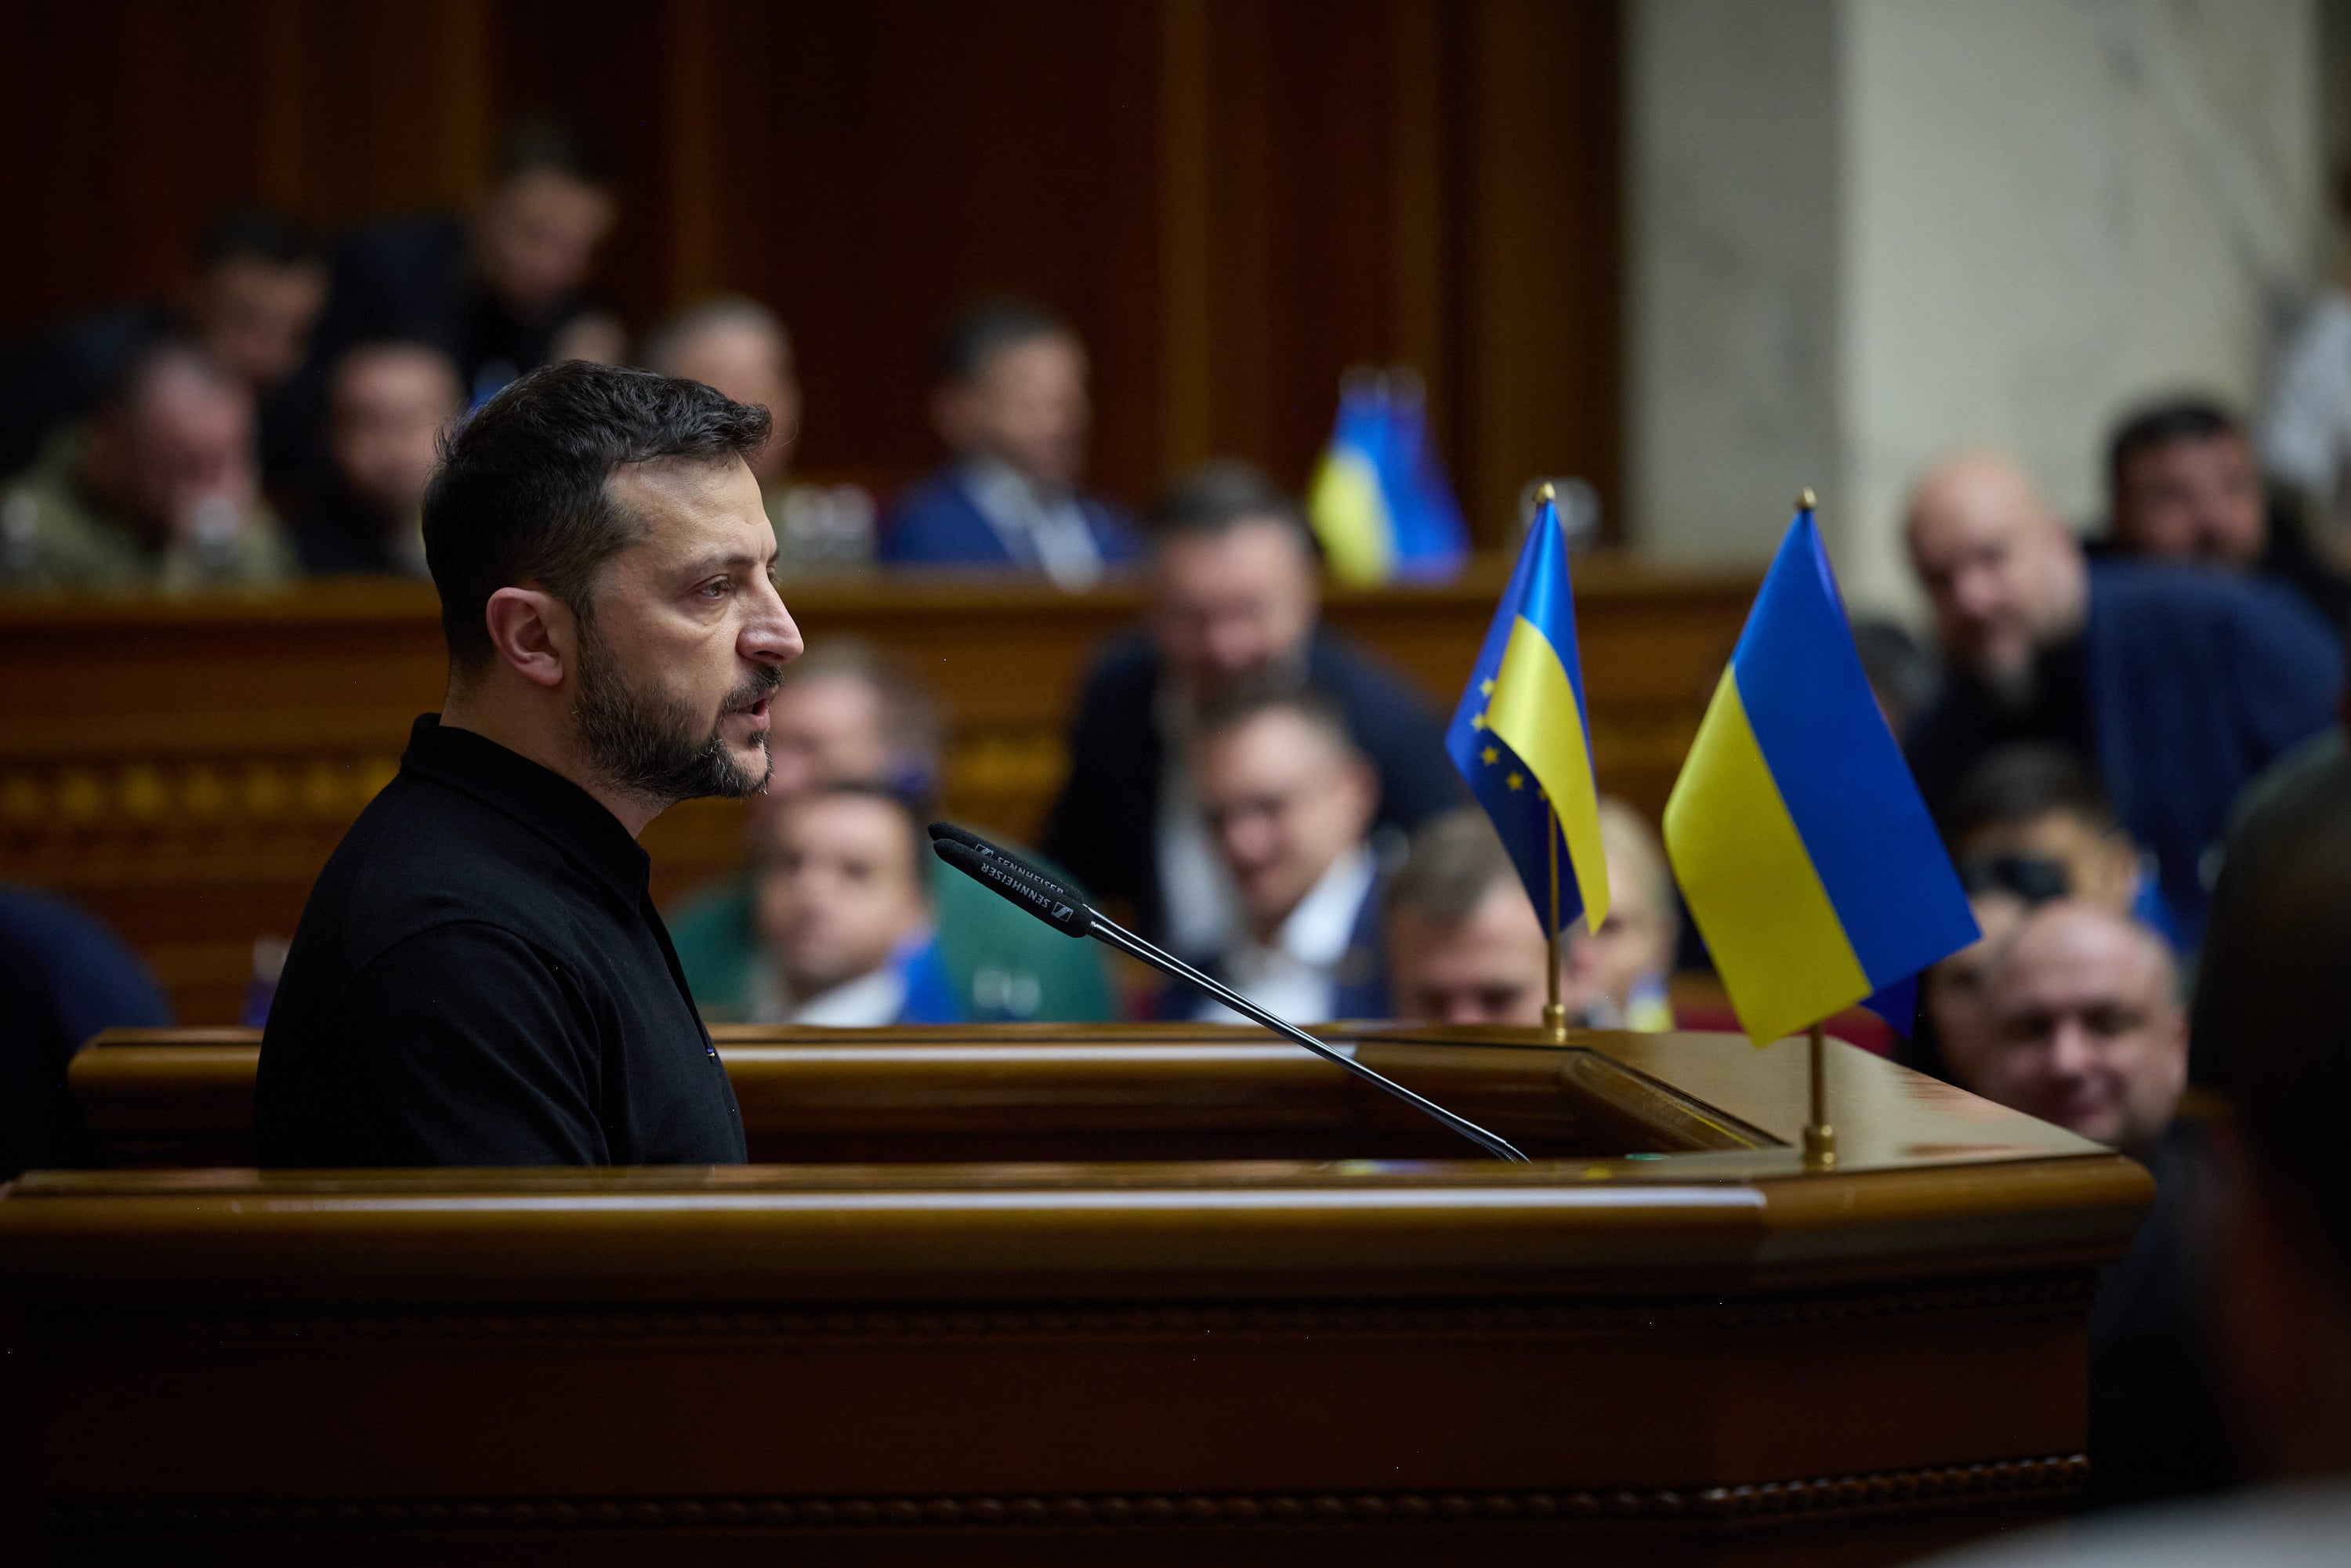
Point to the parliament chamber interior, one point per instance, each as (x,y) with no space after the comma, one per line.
(1399,782)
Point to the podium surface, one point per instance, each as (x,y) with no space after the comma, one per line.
(1303,1328)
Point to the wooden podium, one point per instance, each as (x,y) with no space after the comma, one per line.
(1153,1295)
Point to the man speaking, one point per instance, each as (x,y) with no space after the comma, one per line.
(479,978)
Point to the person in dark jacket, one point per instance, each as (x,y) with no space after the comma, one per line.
(1235,599)
(2175,684)
(388,405)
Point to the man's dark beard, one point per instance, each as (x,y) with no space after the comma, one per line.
(644,743)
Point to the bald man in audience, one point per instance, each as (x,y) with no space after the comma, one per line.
(160,488)
(2176,684)
(388,405)
(1289,799)
(739,347)
(1466,946)
(2087,1030)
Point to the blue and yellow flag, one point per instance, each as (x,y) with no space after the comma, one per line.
(1807,858)
(1378,498)
(1519,736)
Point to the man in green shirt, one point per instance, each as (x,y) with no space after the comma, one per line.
(845,715)
(159,489)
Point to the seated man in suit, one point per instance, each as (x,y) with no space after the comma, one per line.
(1012,406)
(2038,802)
(847,933)
(1235,592)
(159,489)
(846,715)
(387,405)
(738,346)
(1465,945)
(2176,684)
(1289,799)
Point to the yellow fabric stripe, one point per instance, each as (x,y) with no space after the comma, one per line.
(1777,943)
(1351,518)
(1533,710)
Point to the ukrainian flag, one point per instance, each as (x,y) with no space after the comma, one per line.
(1519,735)
(1378,498)
(1802,848)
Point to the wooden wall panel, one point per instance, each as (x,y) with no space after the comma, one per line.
(1234,201)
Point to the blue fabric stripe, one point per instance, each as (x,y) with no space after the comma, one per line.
(1550,602)
(1840,772)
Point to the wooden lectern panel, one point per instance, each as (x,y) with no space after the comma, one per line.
(1667,1344)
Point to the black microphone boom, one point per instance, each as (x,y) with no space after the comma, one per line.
(1060,906)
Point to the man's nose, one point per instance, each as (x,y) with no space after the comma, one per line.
(771,636)
(2072,1051)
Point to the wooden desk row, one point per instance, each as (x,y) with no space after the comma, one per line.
(184,766)
(1665,1343)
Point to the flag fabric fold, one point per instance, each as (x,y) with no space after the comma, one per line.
(1519,735)
(1807,858)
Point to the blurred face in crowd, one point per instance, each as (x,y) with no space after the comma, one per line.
(391,403)
(686,640)
(255,315)
(2087,1030)
(752,366)
(1283,800)
(2101,865)
(1028,406)
(2006,578)
(825,729)
(838,889)
(1489,969)
(180,444)
(535,235)
(1634,943)
(1952,992)
(1228,605)
(2194,499)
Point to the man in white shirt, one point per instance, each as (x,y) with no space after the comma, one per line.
(844,914)
(1288,801)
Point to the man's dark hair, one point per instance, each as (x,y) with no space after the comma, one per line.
(541,142)
(254,234)
(2162,424)
(986,327)
(2023,782)
(1236,704)
(520,497)
(911,809)
(1220,496)
(1456,860)
(159,356)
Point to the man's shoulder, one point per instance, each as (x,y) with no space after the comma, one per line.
(1373,691)
(2167,594)
(929,516)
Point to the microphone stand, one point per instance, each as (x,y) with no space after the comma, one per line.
(1062,908)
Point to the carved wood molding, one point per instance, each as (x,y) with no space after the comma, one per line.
(1814,1498)
(2033,1293)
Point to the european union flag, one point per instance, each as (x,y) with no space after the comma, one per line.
(1520,739)
(1807,857)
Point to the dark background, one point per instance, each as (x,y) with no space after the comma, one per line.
(1234,200)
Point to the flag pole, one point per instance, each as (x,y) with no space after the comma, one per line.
(1554,1012)
(1820,1139)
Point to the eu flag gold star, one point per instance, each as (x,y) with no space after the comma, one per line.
(1485,688)
(1476,721)
(1491,756)
(1516,780)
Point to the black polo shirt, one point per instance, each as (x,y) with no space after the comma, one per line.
(480,979)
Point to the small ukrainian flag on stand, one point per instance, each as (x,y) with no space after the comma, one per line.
(1378,500)
(1520,740)
(1807,858)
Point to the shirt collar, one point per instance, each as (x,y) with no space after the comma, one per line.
(1319,930)
(539,799)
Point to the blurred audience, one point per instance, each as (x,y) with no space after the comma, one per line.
(1289,799)
(2037,802)
(387,405)
(66,977)
(158,488)
(740,347)
(1234,600)
(846,715)
(2176,684)
(2087,1031)
(1465,945)
(2183,486)
(251,298)
(1012,406)
(847,936)
(501,290)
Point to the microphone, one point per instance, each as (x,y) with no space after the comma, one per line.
(1057,905)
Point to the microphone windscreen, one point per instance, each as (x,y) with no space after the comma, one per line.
(1039,895)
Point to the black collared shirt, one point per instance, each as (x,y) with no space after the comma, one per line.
(480,979)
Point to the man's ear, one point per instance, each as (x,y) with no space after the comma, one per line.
(532,633)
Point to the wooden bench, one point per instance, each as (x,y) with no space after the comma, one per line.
(1676,1346)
